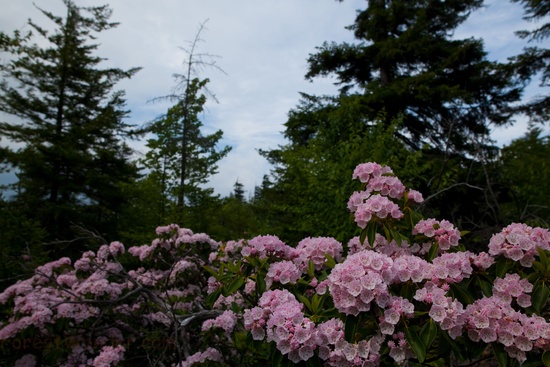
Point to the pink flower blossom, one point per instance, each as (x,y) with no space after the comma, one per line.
(315,249)
(519,242)
(109,356)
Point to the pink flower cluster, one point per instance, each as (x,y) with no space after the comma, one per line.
(283,272)
(444,232)
(380,185)
(267,246)
(337,352)
(173,238)
(399,348)
(451,267)
(409,267)
(281,315)
(513,287)
(365,171)
(28,360)
(210,354)
(447,312)
(381,179)
(226,321)
(520,242)
(395,308)
(494,320)
(361,278)
(376,206)
(227,251)
(298,337)
(109,356)
(315,249)
(181,267)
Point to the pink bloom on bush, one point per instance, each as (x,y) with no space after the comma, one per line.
(315,249)
(376,206)
(520,242)
(28,360)
(444,232)
(210,354)
(109,356)
(282,272)
(267,246)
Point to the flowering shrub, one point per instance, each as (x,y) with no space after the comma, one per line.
(404,291)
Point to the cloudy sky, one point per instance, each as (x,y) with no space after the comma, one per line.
(262,48)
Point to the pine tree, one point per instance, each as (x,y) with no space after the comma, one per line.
(66,142)
(181,157)
(238,191)
(535,59)
(406,63)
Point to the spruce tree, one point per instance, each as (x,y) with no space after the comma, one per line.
(67,130)
(535,60)
(405,62)
(181,158)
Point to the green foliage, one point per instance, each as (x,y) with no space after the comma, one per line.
(180,157)
(534,60)
(71,158)
(526,169)
(313,173)
(20,240)
(405,63)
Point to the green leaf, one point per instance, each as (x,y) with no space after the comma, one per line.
(533,277)
(311,268)
(428,333)
(462,294)
(331,263)
(234,286)
(260,284)
(277,358)
(541,269)
(542,255)
(363,236)
(540,296)
(415,218)
(416,344)
(253,261)
(305,301)
(502,267)
(350,328)
(212,298)
(371,232)
(397,236)
(433,252)
(211,271)
(457,349)
(485,287)
(500,354)
(546,358)
(315,303)
(234,267)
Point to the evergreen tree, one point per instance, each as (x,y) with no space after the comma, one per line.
(238,191)
(535,59)
(406,63)
(66,142)
(525,166)
(181,157)
(409,94)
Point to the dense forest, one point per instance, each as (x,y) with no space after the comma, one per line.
(410,96)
